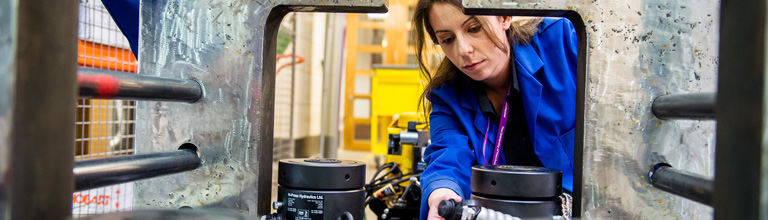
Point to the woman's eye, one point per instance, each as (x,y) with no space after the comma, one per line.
(474,29)
(446,40)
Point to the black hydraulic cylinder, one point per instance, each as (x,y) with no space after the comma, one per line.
(96,173)
(682,183)
(685,106)
(106,84)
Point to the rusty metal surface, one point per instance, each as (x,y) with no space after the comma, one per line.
(229,47)
(636,51)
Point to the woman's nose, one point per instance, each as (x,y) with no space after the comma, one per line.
(465,47)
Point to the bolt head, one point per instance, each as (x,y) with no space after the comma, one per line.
(277,205)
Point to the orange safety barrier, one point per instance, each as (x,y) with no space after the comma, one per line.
(100,56)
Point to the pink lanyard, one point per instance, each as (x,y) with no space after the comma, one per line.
(502,127)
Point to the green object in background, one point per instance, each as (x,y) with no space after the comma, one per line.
(283,40)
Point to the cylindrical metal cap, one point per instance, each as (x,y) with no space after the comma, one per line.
(321,174)
(524,209)
(519,182)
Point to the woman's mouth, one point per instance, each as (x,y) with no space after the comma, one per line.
(473,66)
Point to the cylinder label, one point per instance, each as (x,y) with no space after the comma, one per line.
(304,206)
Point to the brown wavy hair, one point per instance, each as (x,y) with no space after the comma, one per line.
(520,32)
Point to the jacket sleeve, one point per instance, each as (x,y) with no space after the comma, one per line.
(571,44)
(555,120)
(449,157)
(125,13)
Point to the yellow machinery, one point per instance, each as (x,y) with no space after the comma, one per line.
(404,147)
(394,90)
(396,193)
(399,134)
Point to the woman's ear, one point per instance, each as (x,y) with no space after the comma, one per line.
(505,22)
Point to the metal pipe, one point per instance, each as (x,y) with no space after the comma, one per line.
(106,84)
(682,183)
(685,106)
(409,137)
(293,83)
(96,173)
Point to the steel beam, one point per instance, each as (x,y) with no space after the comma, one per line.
(96,173)
(685,106)
(38,63)
(106,84)
(741,156)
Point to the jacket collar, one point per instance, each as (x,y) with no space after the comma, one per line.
(527,60)
(529,63)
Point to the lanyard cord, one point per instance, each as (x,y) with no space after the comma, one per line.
(504,116)
(485,140)
(502,127)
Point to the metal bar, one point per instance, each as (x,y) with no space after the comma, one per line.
(741,154)
(685,106)
(106,84)
(39,106)
(331,85)
(682,183)
(96,173)
(293,82)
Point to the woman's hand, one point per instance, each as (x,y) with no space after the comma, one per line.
(435,198)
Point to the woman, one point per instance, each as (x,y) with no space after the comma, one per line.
(477,89)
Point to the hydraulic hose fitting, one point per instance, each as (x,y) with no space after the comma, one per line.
(469,210)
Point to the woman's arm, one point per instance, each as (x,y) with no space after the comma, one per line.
(450,157)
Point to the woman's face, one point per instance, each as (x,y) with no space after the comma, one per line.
(465,44)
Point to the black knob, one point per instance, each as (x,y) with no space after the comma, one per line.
(449,209)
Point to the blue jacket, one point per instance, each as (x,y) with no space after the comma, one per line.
(547,78)
(125,13)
